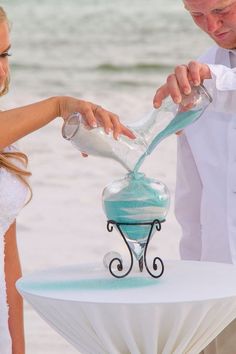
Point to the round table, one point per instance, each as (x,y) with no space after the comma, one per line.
(179,313)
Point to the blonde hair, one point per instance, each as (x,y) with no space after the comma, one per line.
(6,157)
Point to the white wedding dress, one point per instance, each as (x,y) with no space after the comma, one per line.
(12,198)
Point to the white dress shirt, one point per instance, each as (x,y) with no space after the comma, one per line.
(206,169)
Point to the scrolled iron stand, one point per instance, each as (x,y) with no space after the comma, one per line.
(143,260)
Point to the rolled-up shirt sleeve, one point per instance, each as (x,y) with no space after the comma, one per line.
(224,77)
(222,88)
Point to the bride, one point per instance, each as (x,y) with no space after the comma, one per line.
(14,187)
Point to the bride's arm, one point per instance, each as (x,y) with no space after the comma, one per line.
(15,302)
(18,122)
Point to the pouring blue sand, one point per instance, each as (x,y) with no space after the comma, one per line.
(179,122)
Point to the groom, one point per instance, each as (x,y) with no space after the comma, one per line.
(206,167)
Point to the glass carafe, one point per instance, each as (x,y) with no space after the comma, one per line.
(149,131)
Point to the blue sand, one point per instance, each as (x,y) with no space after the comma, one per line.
(138,202)
(89,284)
(179,122)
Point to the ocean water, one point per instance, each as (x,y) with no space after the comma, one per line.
(114,50)
(115,53)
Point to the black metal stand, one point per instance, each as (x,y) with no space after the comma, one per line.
(142,261)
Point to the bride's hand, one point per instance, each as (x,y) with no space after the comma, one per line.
(94,115)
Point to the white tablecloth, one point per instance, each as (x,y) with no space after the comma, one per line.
(179,313)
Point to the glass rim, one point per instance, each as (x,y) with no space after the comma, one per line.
(65,124)
(206,92)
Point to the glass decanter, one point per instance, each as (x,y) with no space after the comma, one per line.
(149,131)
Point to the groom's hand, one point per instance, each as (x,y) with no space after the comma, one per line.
(179,83)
